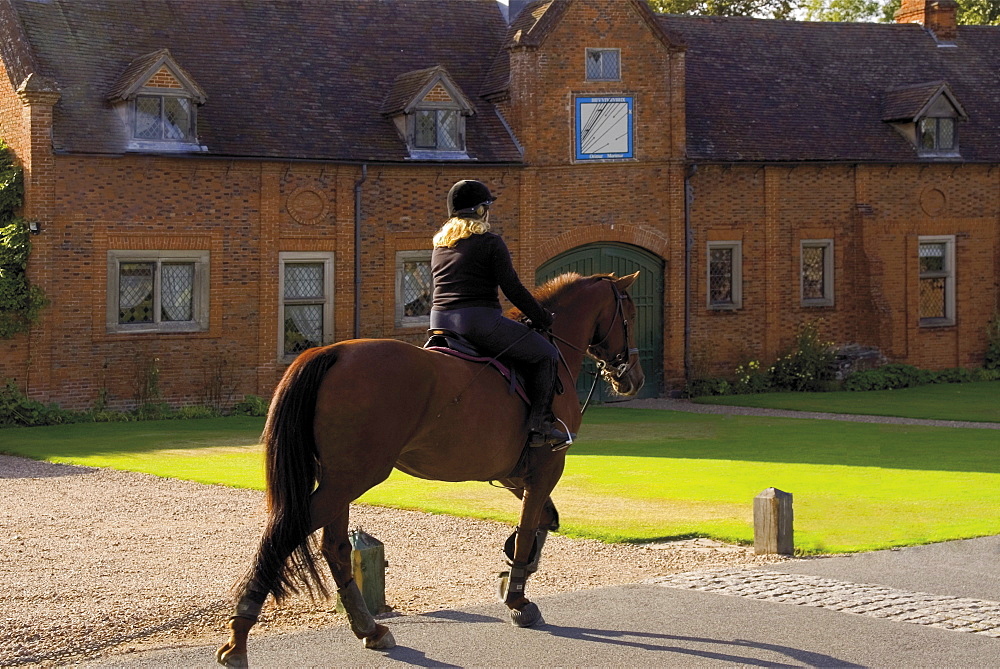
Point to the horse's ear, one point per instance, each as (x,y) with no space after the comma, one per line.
(624,282)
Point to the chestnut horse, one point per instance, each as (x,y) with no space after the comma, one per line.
(344,415)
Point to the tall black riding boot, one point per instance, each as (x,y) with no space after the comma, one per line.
(541,422)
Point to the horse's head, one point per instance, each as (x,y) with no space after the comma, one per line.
(613,343)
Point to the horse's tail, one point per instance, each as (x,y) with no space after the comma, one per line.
(285,561)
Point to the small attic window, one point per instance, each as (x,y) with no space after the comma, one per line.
(429,111)
(604,65)
(927,115)
(438,129)
(157,100)
(163,118)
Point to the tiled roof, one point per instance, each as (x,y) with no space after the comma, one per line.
(138,71)
(283,80)
(760,90)
(403,92)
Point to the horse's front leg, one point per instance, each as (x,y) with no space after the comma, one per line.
(527,548)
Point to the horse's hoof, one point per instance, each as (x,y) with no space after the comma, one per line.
(526,616)
(381,640)
(228,659)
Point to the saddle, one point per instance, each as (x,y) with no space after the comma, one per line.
(454,344)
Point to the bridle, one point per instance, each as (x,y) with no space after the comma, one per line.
(622,363)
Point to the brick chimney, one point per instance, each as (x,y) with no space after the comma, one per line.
(938,16)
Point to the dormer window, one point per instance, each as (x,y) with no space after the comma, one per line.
(927,115)
(937,134)
(429,111)
(158,100)
(164,118)
(437,129)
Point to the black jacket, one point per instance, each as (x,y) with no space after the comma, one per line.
(469,274)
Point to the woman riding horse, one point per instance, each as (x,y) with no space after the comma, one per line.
(469,264)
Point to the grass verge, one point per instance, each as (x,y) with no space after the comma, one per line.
(640,474)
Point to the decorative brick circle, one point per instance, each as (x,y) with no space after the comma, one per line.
(933,201)
(307,205)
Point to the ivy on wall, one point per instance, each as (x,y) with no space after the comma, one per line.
(20,302)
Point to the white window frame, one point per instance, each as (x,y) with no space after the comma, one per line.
(948,274)
(827,299)
(588,53)
(401,319)
(305,257)
(200,294)
(736,301)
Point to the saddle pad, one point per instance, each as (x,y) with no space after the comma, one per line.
(505,371)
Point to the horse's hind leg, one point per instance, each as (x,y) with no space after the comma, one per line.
(337,551)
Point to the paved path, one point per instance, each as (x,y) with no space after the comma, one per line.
(692,407)
(926,606)
(844,611)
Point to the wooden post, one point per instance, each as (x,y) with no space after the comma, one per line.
(368,563)
(772,523)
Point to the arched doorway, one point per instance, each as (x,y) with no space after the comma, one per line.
(646,292)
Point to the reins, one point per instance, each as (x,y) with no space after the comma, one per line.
(617,367)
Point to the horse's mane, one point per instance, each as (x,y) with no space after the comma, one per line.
(552,291)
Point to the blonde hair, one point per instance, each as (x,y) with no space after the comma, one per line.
(457,228)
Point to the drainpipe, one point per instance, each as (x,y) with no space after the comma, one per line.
(688,247)
(357,250)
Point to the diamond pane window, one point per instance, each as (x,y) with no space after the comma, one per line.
(303,327)
(177,291)
(426,129)
(135,292)
(937,134)
(306,309)
(416,288)
(812,272)
(603,64)
(303,280)
(721,276)
(147,117)
(151,291)
(937,281)
(163,118)
(177,118)
(448,130)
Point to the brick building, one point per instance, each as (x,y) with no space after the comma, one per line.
(220,184)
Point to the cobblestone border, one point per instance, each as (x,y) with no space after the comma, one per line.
(959,614)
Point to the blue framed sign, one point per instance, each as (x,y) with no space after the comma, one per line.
(604,128)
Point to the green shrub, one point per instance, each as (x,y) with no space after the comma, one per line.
(888,377)
(16,409)
(195,412)
(713,386)
(808,366)
(751,379)
(251,405)
(992,361)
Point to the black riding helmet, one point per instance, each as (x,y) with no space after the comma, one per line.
(469,198)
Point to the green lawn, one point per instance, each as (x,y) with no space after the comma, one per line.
(978,402)
(639,474)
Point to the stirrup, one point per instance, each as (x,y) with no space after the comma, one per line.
(547,434)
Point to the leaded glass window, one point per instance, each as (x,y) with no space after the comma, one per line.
(937,134)
(817,272)
(414,288)
(437,129)
(725,275)
(160,117)
(603,64)
(937,291)
(304,303)
(157,290)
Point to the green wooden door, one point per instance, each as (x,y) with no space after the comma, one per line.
(646,292)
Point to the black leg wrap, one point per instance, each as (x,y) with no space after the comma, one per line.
(516,581)
(250,605)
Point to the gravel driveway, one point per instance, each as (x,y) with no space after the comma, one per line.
(97,563)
